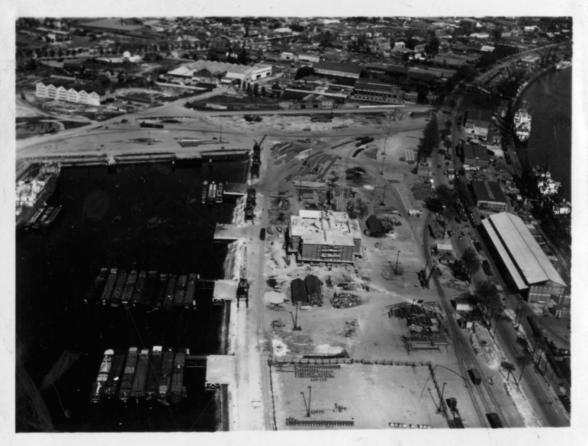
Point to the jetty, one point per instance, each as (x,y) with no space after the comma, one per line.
(230,232)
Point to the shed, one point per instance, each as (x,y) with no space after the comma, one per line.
(298,292)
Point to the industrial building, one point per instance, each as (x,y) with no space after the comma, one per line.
(187,73)
(521,257)
(475,156)
(324,236)
(60,93)
(339,70)
(489,196)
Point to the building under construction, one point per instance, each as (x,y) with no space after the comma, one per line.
(324,236)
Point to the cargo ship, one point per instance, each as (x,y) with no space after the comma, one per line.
(33,190)
(109,287)
(180,290)
(522,123)
(563,65)
(159,302)
(167,368)
(177,389)
(189,297)
(138,388)
(152,385)
(111,386)
(96,287)
(33,221)
(129,287)
(139,288)
(219,192)
(118,289)
(204,191)
(169,291)
(102,377)
(211,192)
(126,383)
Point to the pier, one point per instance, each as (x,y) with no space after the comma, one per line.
(220,369)
(230,232)
(224,290)
(112,159)
(235,189)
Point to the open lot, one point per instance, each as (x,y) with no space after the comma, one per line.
(371,395)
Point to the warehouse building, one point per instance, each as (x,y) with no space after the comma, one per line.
(475,157)
(61,93)
(489,196)
(188,73)
(523,260)
(338,70)
(324,236)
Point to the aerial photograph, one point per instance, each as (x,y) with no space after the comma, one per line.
(282,223)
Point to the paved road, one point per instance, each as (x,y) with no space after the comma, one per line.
(536,389)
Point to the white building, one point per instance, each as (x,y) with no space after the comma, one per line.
(244,73)
(69,95)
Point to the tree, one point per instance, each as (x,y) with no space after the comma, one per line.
(488,297)
(432,46)
(471,260)
(445,195)
(430,139)
(434,204)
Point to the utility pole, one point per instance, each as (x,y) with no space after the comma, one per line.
(307,404)
(295,325)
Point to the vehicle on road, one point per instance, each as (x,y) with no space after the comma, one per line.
(262,234)
(475,376)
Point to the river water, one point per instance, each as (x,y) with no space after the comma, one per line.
(549,101)
(142,217)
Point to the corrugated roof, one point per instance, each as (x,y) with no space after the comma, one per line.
(488,191)
(524,249)
(502,252)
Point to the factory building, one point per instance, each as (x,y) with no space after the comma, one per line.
(338,70)
(187,73)
(489,196)
(324,236)
(475,157)
(521,257)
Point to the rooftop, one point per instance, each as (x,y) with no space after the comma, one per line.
(325,228)
(475,151)
(520,246)
(343,67)
(488,191)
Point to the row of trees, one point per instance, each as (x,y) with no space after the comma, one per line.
(430,139)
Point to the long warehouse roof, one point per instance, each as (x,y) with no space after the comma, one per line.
(520,246)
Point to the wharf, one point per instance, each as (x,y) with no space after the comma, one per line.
(230,232)
(235,189)
(225,289)
(220,369)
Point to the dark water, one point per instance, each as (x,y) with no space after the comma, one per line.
(549,101)
(143,217)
